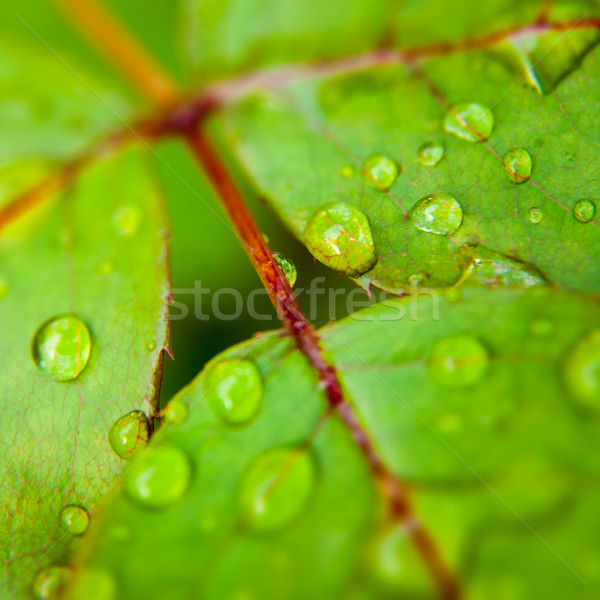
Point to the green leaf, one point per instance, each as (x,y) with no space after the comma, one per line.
(474,408)
(96,251)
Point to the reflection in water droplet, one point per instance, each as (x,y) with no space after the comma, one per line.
(74,519)
(150,345)
(49,583)
(437,213)
(235,390)
(160,478)
(584,211)
(472,122)
(176,412)
(126,220)
(61,347)
(4,288)
(582,370)
(458,361)
(517,163)
(535,215)
(430,154)
(288,267)
(380,171)
(347,171)
(129,434)
(541,327)
(276,487)
(339,235)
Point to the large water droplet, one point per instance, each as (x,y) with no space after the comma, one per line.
(430,154)
(472,122)
(437,213)
(61,347)
(517,163)
(584,211)
(582,370)
(536,215)
(339,235)
(126,220)
(129,434)
(458,361)
(49,583)
(235,391)
(176,412)
(288,267)
(276,487)
(159,478)
(380,171)
(150,345)
(74,519)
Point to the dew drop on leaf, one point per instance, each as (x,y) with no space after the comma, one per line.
(61,347)
(288,267)
(50,582)
(517,163)
(430,154)
(535,215)
(380,171)
(339,235)
(276,487)
(437,213)
(74,519)
(458,361)
(126,220)
(235,391)
(128,434)
(347,171)
(176,412)
(150,345)
(583,211)
(471,122)
(159,479)
(582,370)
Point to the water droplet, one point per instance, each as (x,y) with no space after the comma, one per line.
(339,235)
(4,288)
(150,345)
(582,370)
(176,412)
(49,583)
(430,154)
(61,347)
(347,171)
(74,519)
(416,279)
(458,361)
(288,267)
(472,122)
(535,215)
(276,487)
(517,163)
(126,220)
(541,327)
(584,211)
(437,213)
(453,295)
(235,391)
(129,434)
(380,171)
(159,478)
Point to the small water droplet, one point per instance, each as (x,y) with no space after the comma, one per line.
(347,171)
(458,361)
(276,487)
(416,279)
(582,370)
(129,434)
(50,582)
(584,211)
(437,213)
(4,288)
(150,345)
(288,267)
(160,478)
(535,215)
(430,154)
(126,220)
(380,171)
(74,519)
(517,163)
(61,347)
(541,327)
(472,122)
(339,235)
(176,412)
(235,391)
